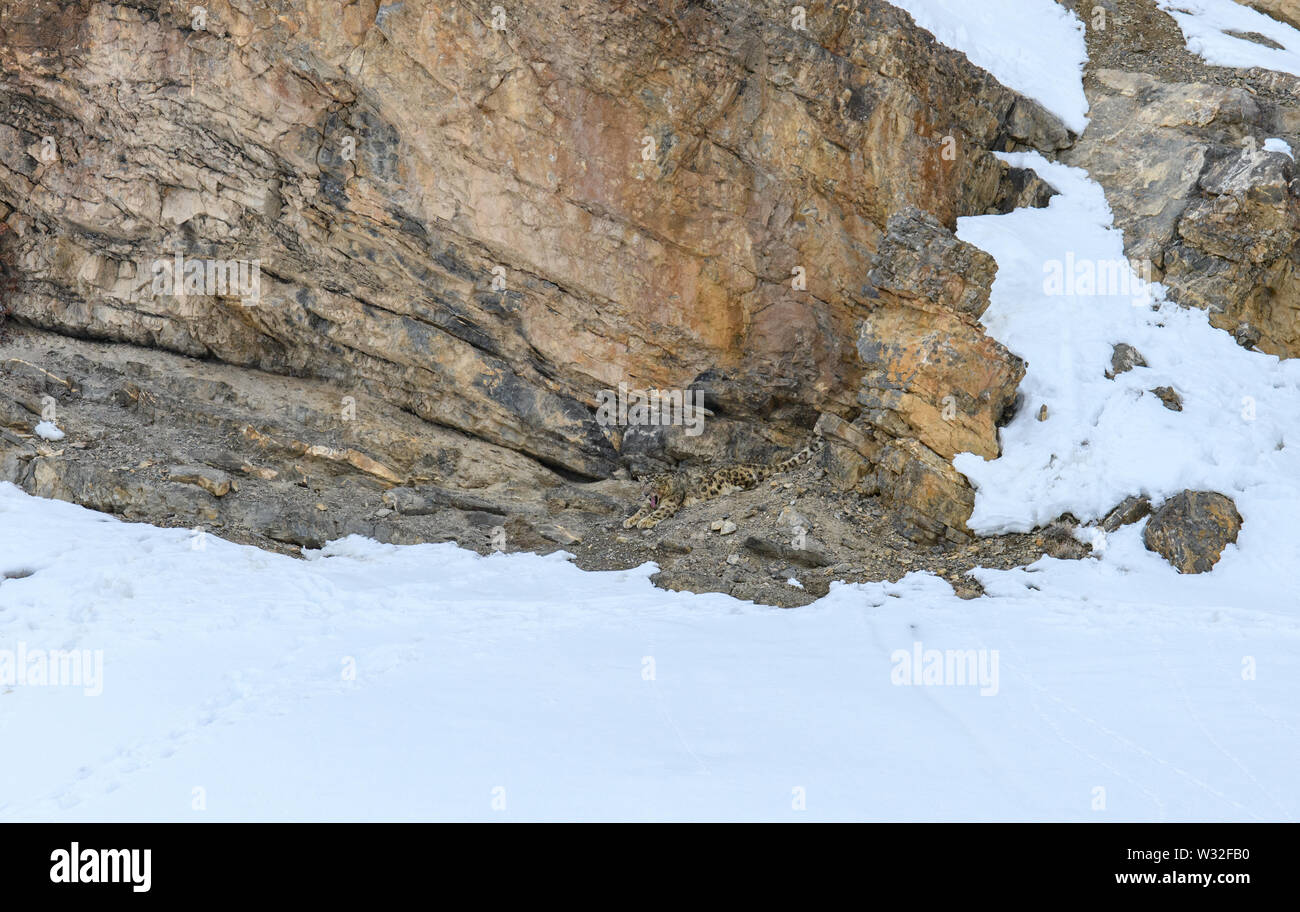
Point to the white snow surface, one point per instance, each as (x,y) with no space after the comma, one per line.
(1206,25)
(517,687)
(1239,429)
(1035,47)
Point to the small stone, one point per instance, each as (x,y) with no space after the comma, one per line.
(1169,396)
(1247,335)
(1124,358)
(321,507)
(791,518)
(1042,412)
(716,525)
(733,559)
(382,512)
(214,481)
(727,527)
(1129,511)
(559,534)
(1057,540)
(676,545)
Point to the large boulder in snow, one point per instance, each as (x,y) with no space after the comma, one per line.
(1191,529)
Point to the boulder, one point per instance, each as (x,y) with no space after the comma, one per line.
(1191,529)
(931,499)
(812,554)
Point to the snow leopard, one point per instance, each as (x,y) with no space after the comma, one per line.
(667,493)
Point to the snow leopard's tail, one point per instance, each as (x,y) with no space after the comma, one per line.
(785,465)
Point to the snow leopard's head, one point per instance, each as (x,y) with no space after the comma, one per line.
(655,489)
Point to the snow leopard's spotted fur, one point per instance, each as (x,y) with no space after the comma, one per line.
(665,494)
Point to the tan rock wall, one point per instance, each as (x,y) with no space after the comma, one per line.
(645,177)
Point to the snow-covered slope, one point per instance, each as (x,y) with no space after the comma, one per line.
(1036,47)
(519,687)
(1207,24)
(1239,428)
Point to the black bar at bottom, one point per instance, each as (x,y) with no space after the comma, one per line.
(334,861)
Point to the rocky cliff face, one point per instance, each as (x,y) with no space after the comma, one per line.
(484,216)
(1180,148)
(298,268)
